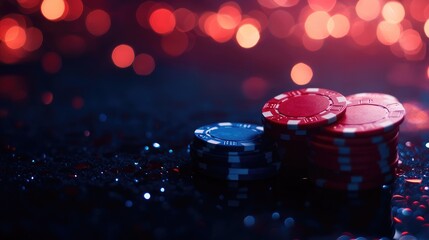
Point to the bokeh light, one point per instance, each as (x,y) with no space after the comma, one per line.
(229,15)
(254,88)
(410,40)
(213,29)
(162,21)
(338,26)
(185,19)
(247,36)
(34,39)
(426,28)
(123,56)
(74,10)
(301,74)
(322,5)
(98,22)
(388,33)
(281,23)
(47,98)
(15,37)
(285,3)
(393,12)
(175,43)
(53,9)
(51,62)
(29,4)
(144,64)
(316,25)
(368,10)
(419,10)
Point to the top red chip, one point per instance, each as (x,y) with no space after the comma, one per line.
(368,117)
(305,108)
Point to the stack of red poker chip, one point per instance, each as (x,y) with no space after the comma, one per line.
(289,118)
(358,151)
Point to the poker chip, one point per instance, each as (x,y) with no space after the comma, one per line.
(340,143)
(229,136)
(367,117)
(382,96)
(234,152)
(304,108)
(359,151)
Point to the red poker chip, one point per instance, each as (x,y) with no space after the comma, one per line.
(304,108)
(342,141)
(382,96)
(377,149)
(367,117)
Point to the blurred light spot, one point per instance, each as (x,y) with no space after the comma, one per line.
(53,9)
(51,62)
(75,10)
(417,117)
(15,37)
(146,196)
(175,43)
(34,39)
(258,17)
(301,74)
(162,189)
(393,12)
(410,40)
(229,15)
(128,203)
(388,33)
(281,23)
(289,222)
(47,98)
(98,22)
(414,180)
(275,216)
(185,19)
(77,102)
(123,56)
(86,133)
(253,22)
(162,21)
(269,3)
(338,26)
(322,5)
(316,25)
(368,9)
(363,33)
(13,88)
(102,117)
(419,10)
(286,3)
(29,4)
(427,145)
(247,36)
(215,31)
(249,221)
(426,28)
(254,88)
(6,24)
(143,12)
(312,44)
(144,64)
(72,45)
